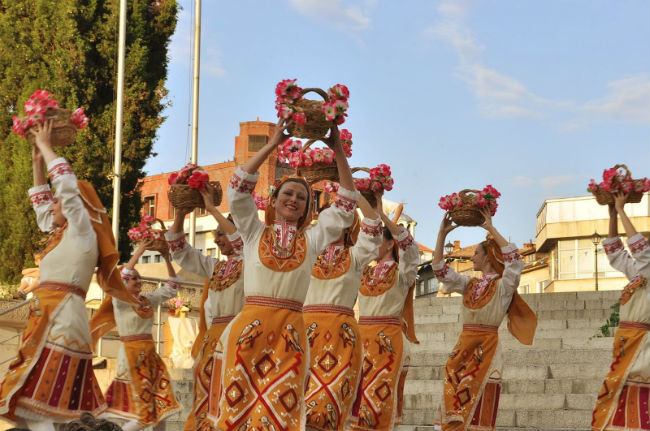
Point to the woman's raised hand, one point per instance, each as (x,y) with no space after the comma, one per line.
(206,194)
(43,134)
(334,139)
(487,215)
(619,200)
(447,225)
(279,136)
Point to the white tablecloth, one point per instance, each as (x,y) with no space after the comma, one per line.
(184,330)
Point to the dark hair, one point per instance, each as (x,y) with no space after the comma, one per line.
(88,422)
(389,236)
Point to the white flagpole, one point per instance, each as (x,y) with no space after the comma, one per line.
(119,105)
(195,104)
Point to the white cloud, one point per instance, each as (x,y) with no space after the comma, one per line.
(628,100)
(335,12)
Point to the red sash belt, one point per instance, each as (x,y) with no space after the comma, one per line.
(64,287)
(222,319)
(267,301)
(634,325)
(477,327)
(328,308)
(378,320)
(136,337)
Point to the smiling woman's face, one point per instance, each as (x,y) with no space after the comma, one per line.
(291,201)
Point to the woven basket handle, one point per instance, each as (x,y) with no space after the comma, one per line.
(311,141)
(627,171)
(360,169)
(320,92)
(464,192)
(162,225)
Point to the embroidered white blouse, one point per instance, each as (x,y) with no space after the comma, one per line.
(73,260)
(262,281)
(220,303)
(342,291)
(391,302)
(493,312)
(637,307)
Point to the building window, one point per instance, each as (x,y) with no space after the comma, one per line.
(157,258)
(145,259)
(576,260)
(256,142)
(201,212)
(523,288)
(212,252)
(149,206)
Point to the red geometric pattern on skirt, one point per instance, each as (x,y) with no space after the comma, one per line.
(632,409)
(264,370)
(61,384)
(485,415)
(332,386)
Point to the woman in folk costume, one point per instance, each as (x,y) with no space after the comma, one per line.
(223,298)
(622,402)
(332,330)
(473,371)
(386,326)
(264,351)
(141,391)
(52,379)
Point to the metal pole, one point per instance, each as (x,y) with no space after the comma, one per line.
(195,104)
(119,102)
(158,328)
(596,264)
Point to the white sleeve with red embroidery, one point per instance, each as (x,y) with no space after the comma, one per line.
(368,242)
(641,253)
(165,292)
(65,183)
(619,258)
(242,205)
(513,265)
(451,280)
(188,257)
(409,259)
(332,221)
(41,198)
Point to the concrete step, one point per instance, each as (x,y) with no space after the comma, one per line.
(594,357)
(554,419)
(552,386)
(520,372)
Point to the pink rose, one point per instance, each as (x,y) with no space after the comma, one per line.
(330,111)
(299,118)
(339,92)
(284,111)
(328,156)
(173,178)
(295,160)
(306,160)
(79,119)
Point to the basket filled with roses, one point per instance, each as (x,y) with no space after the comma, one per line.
(618,180)
(378,182)
(465,206)
(145,231)
(178,306)
(41,107)
(311,119)
(185,188)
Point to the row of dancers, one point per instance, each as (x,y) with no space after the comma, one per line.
(279,347)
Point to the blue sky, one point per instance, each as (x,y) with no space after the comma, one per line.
(533,97)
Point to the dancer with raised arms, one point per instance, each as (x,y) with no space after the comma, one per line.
(473,371)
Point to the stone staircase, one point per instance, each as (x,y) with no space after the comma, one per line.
(551,385)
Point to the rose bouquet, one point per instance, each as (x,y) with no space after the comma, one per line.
(40,107)
(311,119)
(145,231)
(185,187)
(464,206)
(618,180)
(378,182)
(178,306)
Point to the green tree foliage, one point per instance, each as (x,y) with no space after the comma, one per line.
(69,47)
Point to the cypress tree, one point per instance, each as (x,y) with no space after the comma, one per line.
(69,48)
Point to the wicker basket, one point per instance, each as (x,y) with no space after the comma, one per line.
(316,126)
(63,131)
(605,198)
(184,196)
(370,196)
(318,171)
(160,245)
(467,214)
